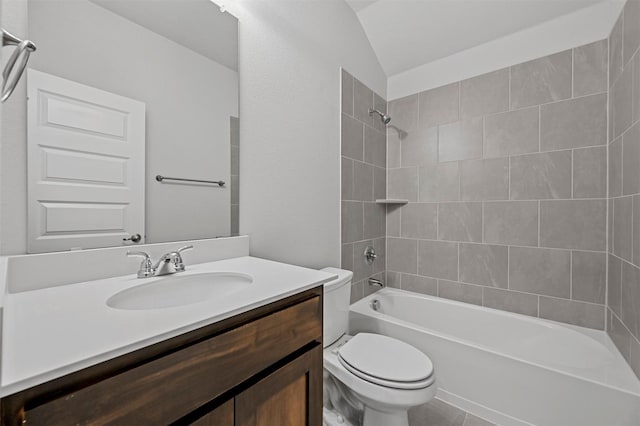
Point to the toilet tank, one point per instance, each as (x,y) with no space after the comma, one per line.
(337,295)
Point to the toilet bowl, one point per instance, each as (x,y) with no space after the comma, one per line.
(379,376)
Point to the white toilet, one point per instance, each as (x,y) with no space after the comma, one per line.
(377,376)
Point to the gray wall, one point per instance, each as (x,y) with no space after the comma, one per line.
(505,174)
(624,185)
(364,159)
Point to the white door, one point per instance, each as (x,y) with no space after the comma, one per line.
(86,164)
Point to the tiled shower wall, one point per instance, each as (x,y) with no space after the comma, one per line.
(364,160)
(624,185)
(505,174)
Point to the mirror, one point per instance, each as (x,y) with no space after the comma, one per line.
(119,93)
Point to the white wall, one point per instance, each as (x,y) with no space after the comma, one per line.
(290,57)
(587,25)
(189,101)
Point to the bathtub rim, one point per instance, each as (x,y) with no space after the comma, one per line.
(362,307)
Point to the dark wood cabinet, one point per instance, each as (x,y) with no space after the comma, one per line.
(263,367)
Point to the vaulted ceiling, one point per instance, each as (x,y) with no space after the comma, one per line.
(408,33)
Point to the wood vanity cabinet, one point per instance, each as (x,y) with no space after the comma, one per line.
(262,367)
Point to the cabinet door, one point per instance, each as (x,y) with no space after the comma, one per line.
(291,396)
(221,416)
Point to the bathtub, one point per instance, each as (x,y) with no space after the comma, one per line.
(508,368)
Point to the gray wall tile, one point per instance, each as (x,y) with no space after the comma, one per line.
(379,183)
(440,182)
(362,181)
(615,168)
(347,93)
(621,102)
(420,147)
(460,292)
(572,312)
(394,147)
(631,298)
(634,356)
(484,264)
(636,88)
(615,51)
(438,259)
(361,269)
(485,94)
(590,172)
(484,179)
(461,140)
(393,279)
(356,292)
(576,224)
(631,33)
(362,102)
(460,221)
(619,335)
(574,123)
(402,255)
(375,147)
(512,301)
(394,212)
(588,276)
(636,229)
(511,222)
(380,263)
(614,285)
(351,223)
(403,183)
(419,220)
(541,176)
(540,271)
(439,106)
(374,220)
(512,133)
(622,220)
(352,138)
(381,105)
(631,160)
(420,284)
(541,80)
(590,68)
(404,113)
(346,257)
(347,179)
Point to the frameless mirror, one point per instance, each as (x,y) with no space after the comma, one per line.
(132,123)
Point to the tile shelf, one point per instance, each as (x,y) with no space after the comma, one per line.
(391,201)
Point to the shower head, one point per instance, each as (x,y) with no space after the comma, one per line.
(386,119)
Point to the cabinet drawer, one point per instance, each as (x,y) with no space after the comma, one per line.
(167,388)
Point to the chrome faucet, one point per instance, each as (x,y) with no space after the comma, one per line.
(377,283)
(169,263)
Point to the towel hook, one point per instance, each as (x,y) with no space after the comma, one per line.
(23,50)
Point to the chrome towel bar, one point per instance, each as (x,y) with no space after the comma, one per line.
(23,50)
(161,178)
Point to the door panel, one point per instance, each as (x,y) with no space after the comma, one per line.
(86,165)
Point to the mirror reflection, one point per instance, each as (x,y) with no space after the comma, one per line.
(119,93)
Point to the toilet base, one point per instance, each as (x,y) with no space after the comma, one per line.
(374,417)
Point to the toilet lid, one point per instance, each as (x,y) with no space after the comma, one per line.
(385,358)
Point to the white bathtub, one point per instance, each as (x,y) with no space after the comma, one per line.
(509,368)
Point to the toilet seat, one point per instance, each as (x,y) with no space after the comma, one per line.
(387,362)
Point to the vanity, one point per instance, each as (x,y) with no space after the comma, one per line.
(250,356)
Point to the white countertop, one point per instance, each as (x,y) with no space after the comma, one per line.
(52,332)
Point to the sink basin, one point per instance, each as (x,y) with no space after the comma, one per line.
(179,290)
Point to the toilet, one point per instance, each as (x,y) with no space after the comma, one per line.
(368,378)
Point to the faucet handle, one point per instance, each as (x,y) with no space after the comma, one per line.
(185,248)
(146,267)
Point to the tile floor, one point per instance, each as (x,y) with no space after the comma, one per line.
(439,413)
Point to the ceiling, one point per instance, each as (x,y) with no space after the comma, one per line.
(408,33)
(195,24)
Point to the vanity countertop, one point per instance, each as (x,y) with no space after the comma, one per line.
(52,332)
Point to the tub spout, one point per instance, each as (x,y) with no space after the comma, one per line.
(373,281)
